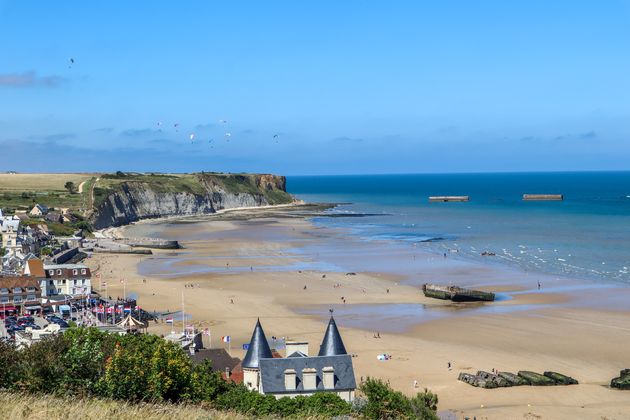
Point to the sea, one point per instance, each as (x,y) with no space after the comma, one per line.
(585,236)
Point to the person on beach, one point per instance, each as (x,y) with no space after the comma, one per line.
(449,365)
(232,301)
(415,383)
(539,285)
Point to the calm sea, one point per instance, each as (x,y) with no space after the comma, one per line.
(587,235)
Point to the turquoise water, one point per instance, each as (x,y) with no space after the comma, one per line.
(585,236)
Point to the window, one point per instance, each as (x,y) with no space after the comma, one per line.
(75,282)
(51,283)
(4,299)
(17,290)
(17,299)
(51,272)
(58,291)
(30,297)
(83,271)
(4,291)
(30,289)
(63,281)
(58,272)
(75,272)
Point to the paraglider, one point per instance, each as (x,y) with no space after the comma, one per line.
(175,126)
(192,137)
(223,121)
(275,137)
(71,63)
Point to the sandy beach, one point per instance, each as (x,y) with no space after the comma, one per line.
(274,268)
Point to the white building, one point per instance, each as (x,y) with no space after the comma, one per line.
(67,279)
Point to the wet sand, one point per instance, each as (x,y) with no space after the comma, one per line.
(262,265)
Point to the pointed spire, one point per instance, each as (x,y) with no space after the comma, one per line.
(258,348)
(332,344)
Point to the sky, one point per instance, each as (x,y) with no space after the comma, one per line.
(315,87)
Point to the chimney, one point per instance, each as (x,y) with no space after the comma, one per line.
(296,346)
(309,379)
(328,374)
(289,379)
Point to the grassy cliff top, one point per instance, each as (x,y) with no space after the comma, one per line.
(22,191)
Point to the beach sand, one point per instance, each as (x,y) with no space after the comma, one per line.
(254,264)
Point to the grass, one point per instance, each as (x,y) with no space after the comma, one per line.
(45,407)
(39,182)
(23,191)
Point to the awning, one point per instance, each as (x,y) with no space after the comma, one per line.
(64,308)
(7,308)
(33,308)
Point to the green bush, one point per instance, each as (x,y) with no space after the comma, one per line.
(385,403)
(9,366)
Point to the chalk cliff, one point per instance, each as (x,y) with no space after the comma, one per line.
(124,198)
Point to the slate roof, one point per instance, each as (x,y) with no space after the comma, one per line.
(219,358)
(332,343)
(272,373)
(258,348)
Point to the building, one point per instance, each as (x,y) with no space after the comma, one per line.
(38,210)
(298,373)
(67,279)
(19,291)
(9,230)
(30,336)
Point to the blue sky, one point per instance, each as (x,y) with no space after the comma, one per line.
(348,87)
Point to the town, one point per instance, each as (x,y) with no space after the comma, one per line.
(45,289)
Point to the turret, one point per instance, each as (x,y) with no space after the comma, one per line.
(332,344)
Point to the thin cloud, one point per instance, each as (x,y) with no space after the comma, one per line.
(104,130)
(54,137)
(134,132)
(345,139)
(30,79)
(588,135)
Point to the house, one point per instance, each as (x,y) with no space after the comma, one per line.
(19,291)
(67,279)
(298,373)
(53,217)
(39,210)
(35,268)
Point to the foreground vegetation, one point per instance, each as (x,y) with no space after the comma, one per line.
(136,369)
(47,407)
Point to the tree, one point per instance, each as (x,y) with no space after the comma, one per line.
(70,187)
(385,403)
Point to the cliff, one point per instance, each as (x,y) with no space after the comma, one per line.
(124,198)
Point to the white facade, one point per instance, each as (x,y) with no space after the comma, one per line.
(66,279)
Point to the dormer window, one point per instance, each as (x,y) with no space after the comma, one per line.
(83,271)
(58,272)
(4,291)
(75,272)
(17,290)
(51,272)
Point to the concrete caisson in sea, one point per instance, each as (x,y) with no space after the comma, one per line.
(448,198)
(543,197)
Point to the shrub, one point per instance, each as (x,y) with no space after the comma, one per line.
(9,365)
(146,367)
(385,403)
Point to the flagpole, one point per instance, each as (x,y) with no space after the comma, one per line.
(183,315)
